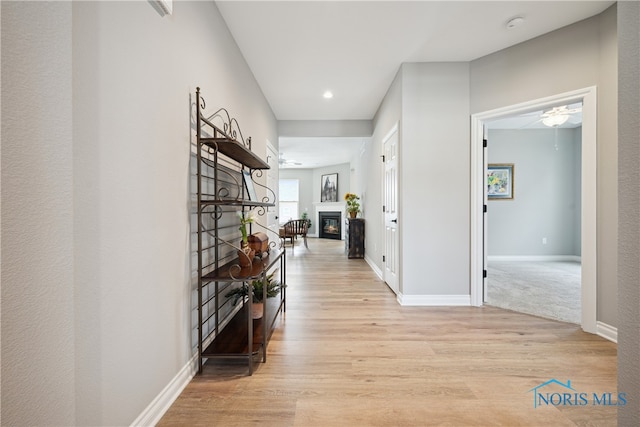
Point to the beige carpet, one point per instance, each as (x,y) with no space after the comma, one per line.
(546,289)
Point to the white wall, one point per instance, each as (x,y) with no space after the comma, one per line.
(607,203)
(571,58)
(359,174)
(344,180)
(629,225)
(38,345)
(434,168)
(546,201)
(0,226)
(324,128)
(430,102)
(99,278)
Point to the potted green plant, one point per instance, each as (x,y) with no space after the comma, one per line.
(274,287)
(353,206)
(305,216)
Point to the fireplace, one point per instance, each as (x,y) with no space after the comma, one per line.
(330,225)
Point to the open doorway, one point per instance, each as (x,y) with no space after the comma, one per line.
(479,199)
(532,231)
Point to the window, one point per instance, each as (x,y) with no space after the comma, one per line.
(289,190)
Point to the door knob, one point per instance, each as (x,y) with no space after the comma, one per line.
(395,220)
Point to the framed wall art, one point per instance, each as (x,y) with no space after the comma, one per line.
(329,188)
(500,181)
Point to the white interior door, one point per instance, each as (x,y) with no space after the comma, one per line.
(272,183)
(390,198)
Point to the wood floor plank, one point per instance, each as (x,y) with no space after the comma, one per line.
(347,354)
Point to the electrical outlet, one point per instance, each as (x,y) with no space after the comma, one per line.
(544,240)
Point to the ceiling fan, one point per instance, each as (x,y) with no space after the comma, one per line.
(556,116)
(282,162)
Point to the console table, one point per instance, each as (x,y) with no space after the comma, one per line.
(354,242)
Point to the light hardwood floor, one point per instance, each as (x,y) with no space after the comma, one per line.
(346,354)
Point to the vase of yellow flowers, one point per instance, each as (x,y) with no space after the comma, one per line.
(353,206)
(246,253)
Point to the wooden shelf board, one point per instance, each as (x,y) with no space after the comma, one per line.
(236,151)
(232,340)
(223,274)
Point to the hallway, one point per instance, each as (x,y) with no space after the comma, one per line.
(346,354)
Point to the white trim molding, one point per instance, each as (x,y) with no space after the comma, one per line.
(434,300)
(607,332)
(374,267)
(534,258)
(163,401)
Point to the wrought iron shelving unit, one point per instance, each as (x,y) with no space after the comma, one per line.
(223,158)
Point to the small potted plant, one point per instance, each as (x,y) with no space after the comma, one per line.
(353,206)
(273,288)
(305,216)
(246,253)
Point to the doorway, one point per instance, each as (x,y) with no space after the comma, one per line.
(390,200)
(588,293)
(533,226)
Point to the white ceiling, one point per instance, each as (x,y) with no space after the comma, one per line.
(299,49)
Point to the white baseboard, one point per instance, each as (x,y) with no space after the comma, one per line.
(434,300)
(374,267)
(607,332)
(163,401)
(535,258)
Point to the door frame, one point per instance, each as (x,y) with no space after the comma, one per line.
(589,197)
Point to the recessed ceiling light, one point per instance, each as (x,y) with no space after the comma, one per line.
(515,22)
(327,94)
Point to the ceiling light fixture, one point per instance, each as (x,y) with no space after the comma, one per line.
(327,94)
(555,120)
(515,22)
(557,116)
